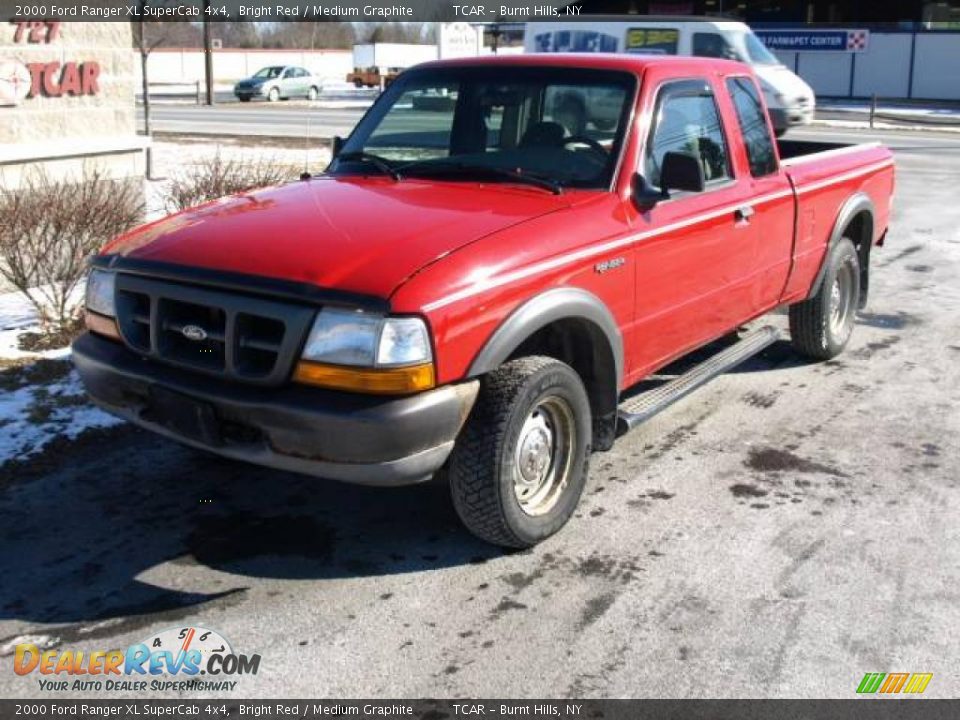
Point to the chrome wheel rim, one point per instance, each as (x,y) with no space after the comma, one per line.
(544,455)
(841,301)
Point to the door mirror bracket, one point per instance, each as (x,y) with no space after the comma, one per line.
(645,196)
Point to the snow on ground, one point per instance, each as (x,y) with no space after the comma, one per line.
(37,412)
(880,125)
(948,112)
(41,397)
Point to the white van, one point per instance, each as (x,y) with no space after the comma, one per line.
(790,100)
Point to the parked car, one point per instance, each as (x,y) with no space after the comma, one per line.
(471,291)
(279,82)
(789,99)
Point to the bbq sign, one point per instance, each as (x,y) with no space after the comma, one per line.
(21,81)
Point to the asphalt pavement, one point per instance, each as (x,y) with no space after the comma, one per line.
(778,533)
(299,118)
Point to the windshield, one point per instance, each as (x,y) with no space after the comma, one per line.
(268,72)
(559,124)
(757,51)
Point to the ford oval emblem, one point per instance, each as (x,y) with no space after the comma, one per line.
(194,332)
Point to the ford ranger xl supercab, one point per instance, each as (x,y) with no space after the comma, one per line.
(469,291)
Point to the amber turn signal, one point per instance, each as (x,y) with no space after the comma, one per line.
(102,325)
(380,381)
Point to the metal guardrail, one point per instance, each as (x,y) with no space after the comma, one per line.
(195,88)
(897,111)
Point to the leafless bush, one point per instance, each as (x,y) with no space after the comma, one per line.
(215,177)
(48,227)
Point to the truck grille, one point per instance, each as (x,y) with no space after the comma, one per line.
(220,333)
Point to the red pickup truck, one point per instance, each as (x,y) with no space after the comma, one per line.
(471,288)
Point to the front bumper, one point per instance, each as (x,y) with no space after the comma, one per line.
(361,439)
(248,91)
(784,118)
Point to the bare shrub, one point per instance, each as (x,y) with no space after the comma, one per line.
(216,177)
(49,227)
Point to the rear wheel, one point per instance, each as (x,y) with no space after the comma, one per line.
(312,94)
(820,327)
(520,466)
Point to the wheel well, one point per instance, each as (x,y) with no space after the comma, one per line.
(860,231)
(583,346)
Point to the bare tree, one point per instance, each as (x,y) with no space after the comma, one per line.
(216,177)
(48,229)
(147,37)
(398,32)
(308,34)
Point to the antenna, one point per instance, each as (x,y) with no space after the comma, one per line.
(305,175)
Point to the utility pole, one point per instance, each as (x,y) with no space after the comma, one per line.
(207,51)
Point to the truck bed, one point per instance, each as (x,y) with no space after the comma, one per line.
(793,151)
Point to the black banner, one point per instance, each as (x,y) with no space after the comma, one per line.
(289,10)
(854,709)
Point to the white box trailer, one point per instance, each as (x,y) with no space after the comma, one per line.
(377,64)
(392,55)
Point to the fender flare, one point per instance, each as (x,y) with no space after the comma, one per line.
(538,312)
(854,205)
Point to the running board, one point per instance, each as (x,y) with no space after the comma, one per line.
(641,408)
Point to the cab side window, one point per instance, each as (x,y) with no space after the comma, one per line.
(753,126)
(688,121)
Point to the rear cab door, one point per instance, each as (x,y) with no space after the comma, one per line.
(772,206)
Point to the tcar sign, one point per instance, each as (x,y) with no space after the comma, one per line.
(21,81)
(14,82)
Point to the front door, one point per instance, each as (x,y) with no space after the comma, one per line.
(692,250)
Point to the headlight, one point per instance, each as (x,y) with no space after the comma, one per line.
(342,337)
(367,353)
(101,290)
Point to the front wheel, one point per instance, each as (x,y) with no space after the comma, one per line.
(520,466)
(273,95)
(820,326)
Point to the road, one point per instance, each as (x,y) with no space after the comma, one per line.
(779,533)
(254,119)
(291,118)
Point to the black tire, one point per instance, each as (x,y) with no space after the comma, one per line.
(820,326)
(483,467)
(244,98)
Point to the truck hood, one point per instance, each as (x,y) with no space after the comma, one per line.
(365,235)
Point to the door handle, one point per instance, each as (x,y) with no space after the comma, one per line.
(743,213)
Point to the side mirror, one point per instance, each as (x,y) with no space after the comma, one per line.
(336,146)
(682,172)
(643,196)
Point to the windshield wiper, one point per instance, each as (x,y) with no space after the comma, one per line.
(378,162)
(461,168)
